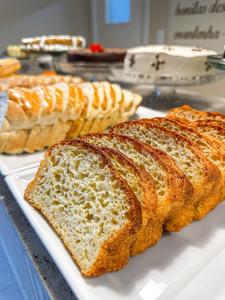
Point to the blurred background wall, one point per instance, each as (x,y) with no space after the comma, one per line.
(150,24)
(24,18)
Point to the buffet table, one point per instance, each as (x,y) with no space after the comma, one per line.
(36,273)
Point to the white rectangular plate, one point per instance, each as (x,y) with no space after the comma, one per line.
(162,272)
(10,164)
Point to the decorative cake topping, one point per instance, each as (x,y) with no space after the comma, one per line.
(96,48)
(168,62)
(183,51)
(132,60)
(157,63)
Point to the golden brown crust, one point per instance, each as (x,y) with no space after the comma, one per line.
(201,187)
(114,253)
(179,188)
(219,123)
(215,129)
(206,127)
(201,141)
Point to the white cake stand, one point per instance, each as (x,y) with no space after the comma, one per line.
(160,93)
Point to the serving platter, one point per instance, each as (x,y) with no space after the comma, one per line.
(163,272)
(14,163)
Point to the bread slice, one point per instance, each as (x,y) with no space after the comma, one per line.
(215,129)
(89,205)
(211,151)
(78,124)
(172,187)
(113,103)
(187,112)
(220,123)
(211,129)
(128,104)
(90,93)
(106,104)
(117,105)
(187,156)
(143,187)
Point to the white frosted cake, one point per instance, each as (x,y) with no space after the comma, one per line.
(167,62)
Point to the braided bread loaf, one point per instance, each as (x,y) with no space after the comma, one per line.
(42,116)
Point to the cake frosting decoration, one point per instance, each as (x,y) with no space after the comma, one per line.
(167,62)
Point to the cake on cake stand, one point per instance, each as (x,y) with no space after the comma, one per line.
(159,72)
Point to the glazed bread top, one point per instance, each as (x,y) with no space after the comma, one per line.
(43,105)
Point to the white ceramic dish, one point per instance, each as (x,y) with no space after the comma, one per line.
(14,163)
(163,272)
(10,164)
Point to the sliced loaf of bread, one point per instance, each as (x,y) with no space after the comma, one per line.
(172,187)
(88,204)
(187,156)
(211,151)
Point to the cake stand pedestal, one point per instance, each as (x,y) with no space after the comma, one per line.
(162,93)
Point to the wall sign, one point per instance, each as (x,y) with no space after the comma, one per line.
(200,22)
